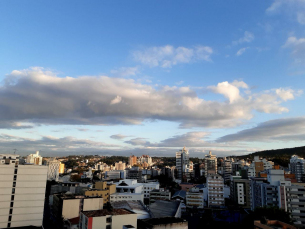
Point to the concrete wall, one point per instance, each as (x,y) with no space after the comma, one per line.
(119,220)
(70,208)
(93,204)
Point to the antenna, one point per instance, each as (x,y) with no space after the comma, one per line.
(15,151)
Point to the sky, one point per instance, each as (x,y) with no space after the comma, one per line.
(150,77)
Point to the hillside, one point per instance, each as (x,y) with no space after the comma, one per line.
(279,156)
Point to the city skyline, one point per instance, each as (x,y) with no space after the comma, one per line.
(121,78)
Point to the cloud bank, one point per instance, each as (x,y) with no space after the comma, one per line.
(36,96)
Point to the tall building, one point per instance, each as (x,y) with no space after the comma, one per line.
(227,169)
(215,187)
(132,160)
(53,169)
(35,159)
(183,164)
(297,167)
(276,191)
(210,164)
(22,193)
(120,166)
(145,159)
(240,191)
(259,165)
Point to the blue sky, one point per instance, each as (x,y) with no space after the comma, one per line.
(121,77)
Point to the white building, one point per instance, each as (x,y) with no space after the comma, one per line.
(148,187)
(215,187)
(35,159)
(120,166)
(183,164)
(145,159)
(297,167)
(53,169)
(22,193)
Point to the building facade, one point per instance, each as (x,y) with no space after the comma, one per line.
(108,219)
(240,191)
(35,159)
(210,164)
(22,193)
(120,166)
(183,164)
(215,186)
(297,167)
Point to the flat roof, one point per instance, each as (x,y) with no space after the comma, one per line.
(105,212)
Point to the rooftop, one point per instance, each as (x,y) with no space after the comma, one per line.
(105,212)
(162,208)
(165,220)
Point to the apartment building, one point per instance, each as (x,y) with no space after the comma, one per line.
(259,165)
(35,159)
(120,166)
(276,191)
(195,198)
(210,164)
(69,206)
(149,186)
(22,192)
(183,164)
(159,194)
(215,186)
(102,189)
(132,160)
(53,169)
(108,219)
(297,167)
(145,159)
(240,191)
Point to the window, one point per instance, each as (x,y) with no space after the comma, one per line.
(109,220)
(108,227)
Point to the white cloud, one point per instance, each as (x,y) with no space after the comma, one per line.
(287,94)
(167,56)
(116,100)
(247,38)
(34,96)
(241,51)
(298,48)
(126,71)
(228,90)
(290,7)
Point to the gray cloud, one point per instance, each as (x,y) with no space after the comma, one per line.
(119,136)
(197,139)
(50,144)
(37,96)
(287,129)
